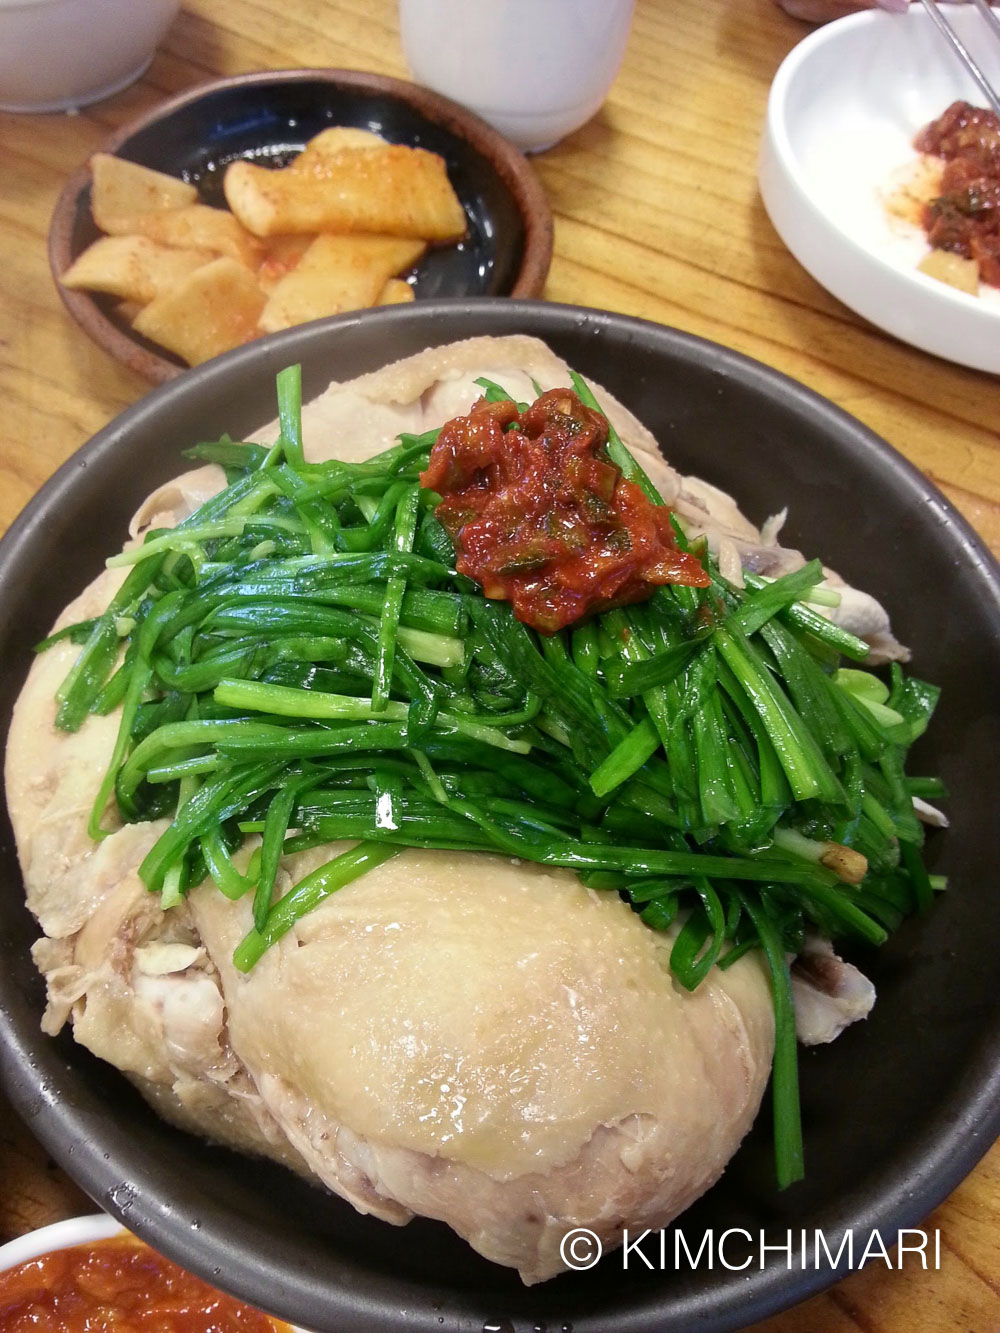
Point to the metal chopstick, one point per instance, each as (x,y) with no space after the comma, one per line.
(962,51)
(989,14)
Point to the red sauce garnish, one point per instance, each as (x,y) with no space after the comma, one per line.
(119,1285)
(965,218)
(540,517)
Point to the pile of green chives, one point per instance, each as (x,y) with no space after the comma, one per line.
(298,659)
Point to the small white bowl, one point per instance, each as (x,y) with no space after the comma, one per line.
(58,1236)
(843,111)
(56,55)
(63,1236)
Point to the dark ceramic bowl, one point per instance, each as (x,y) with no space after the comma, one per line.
(896,1111)
(268,117)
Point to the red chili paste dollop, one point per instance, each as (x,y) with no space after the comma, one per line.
(541,518)
(119,1284)
(965,217)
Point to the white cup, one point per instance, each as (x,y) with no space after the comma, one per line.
(535,69)
(56,55)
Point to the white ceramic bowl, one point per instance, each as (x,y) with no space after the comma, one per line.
(843,111)
(59,54)
(62,1236)
(59,1236)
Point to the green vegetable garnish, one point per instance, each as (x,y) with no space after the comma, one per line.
(299,659)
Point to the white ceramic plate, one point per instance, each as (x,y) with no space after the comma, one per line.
(843,111)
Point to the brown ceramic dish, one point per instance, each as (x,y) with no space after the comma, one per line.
(268,117)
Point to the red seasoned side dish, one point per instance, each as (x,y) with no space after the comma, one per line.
(540,518)
(119,1284)
(964,219)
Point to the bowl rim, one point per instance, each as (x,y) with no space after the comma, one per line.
(779,155)
(58,1236)
(509,163)
(936,1162)
(70,1232)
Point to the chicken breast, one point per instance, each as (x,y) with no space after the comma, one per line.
(464,1037)
(496,1046)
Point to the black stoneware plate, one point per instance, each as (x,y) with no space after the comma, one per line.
(896,1111)
(268,117)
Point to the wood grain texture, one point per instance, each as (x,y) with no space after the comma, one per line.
(657,215)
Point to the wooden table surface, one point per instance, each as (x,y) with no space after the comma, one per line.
(657,214)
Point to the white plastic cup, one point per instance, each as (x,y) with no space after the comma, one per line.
(535,69)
